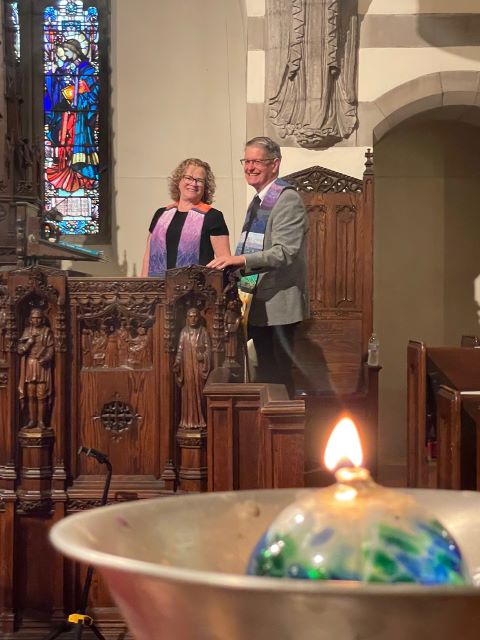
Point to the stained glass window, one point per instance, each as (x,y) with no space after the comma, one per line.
(71,114)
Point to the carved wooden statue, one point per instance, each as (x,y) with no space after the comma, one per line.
(232,321)
(99,344)
(36,347)
(312,79)
(3,330)
(124,339)
(139,349)
(192,366)
(111,347)
(87,355)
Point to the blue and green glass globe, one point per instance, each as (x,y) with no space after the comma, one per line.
(358,530)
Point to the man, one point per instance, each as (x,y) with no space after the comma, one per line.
(272,256)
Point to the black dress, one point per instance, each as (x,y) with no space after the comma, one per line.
(213,225)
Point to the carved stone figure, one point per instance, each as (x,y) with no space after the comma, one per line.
(36,346)
(192,366)
(139,349)
(231,323)
(312,62)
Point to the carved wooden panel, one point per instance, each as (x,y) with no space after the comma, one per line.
(317,243)
(346,257)
(331,346)
(442,416)
(255,437)
(112,344)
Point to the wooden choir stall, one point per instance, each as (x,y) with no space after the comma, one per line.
(153,373)
(443,416)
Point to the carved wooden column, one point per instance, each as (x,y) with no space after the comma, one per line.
(8,471)
(32,421)
(34,494)
(196,302)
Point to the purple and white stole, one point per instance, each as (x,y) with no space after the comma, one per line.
(188,251)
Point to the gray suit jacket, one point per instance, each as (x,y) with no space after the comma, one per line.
(281,296)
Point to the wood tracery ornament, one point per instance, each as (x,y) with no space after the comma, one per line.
(117,417)
(321,180)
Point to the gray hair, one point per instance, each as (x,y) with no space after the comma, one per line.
(272,150)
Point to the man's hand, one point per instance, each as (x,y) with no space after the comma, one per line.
(227,261)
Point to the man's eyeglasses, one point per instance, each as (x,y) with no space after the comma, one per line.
(191,180)
(255,163)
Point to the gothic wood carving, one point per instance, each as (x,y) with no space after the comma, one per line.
(36,387)
(192,365)
(118,417)
(321,180)
(330,347)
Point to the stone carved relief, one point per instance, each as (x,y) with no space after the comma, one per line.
(36,348)
(191,367)
(311,71)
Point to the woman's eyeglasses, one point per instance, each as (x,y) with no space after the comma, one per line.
(191,180)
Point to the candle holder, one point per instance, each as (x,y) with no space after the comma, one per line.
(176,568)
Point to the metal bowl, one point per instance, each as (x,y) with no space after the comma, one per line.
(175,567)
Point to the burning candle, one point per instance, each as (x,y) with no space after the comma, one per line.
(343,447)
(357,530)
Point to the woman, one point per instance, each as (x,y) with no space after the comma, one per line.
(189,231)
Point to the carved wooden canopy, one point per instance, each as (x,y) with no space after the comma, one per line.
(322,180)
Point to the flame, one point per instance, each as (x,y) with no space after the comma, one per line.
(344,443)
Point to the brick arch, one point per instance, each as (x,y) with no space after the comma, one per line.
(431,91)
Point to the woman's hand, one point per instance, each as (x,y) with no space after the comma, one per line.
(227,261)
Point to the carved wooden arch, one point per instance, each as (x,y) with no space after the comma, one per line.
(331,346)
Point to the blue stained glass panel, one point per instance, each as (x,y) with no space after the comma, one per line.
(71,106)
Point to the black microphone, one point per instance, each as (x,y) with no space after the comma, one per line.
(93,453)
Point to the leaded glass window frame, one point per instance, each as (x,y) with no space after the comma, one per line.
(32,20)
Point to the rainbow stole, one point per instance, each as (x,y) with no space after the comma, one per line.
(253,236)
(188,251)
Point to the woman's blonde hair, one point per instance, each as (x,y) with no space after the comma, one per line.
(178,173)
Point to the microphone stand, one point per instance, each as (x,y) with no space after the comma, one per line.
(79,620)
